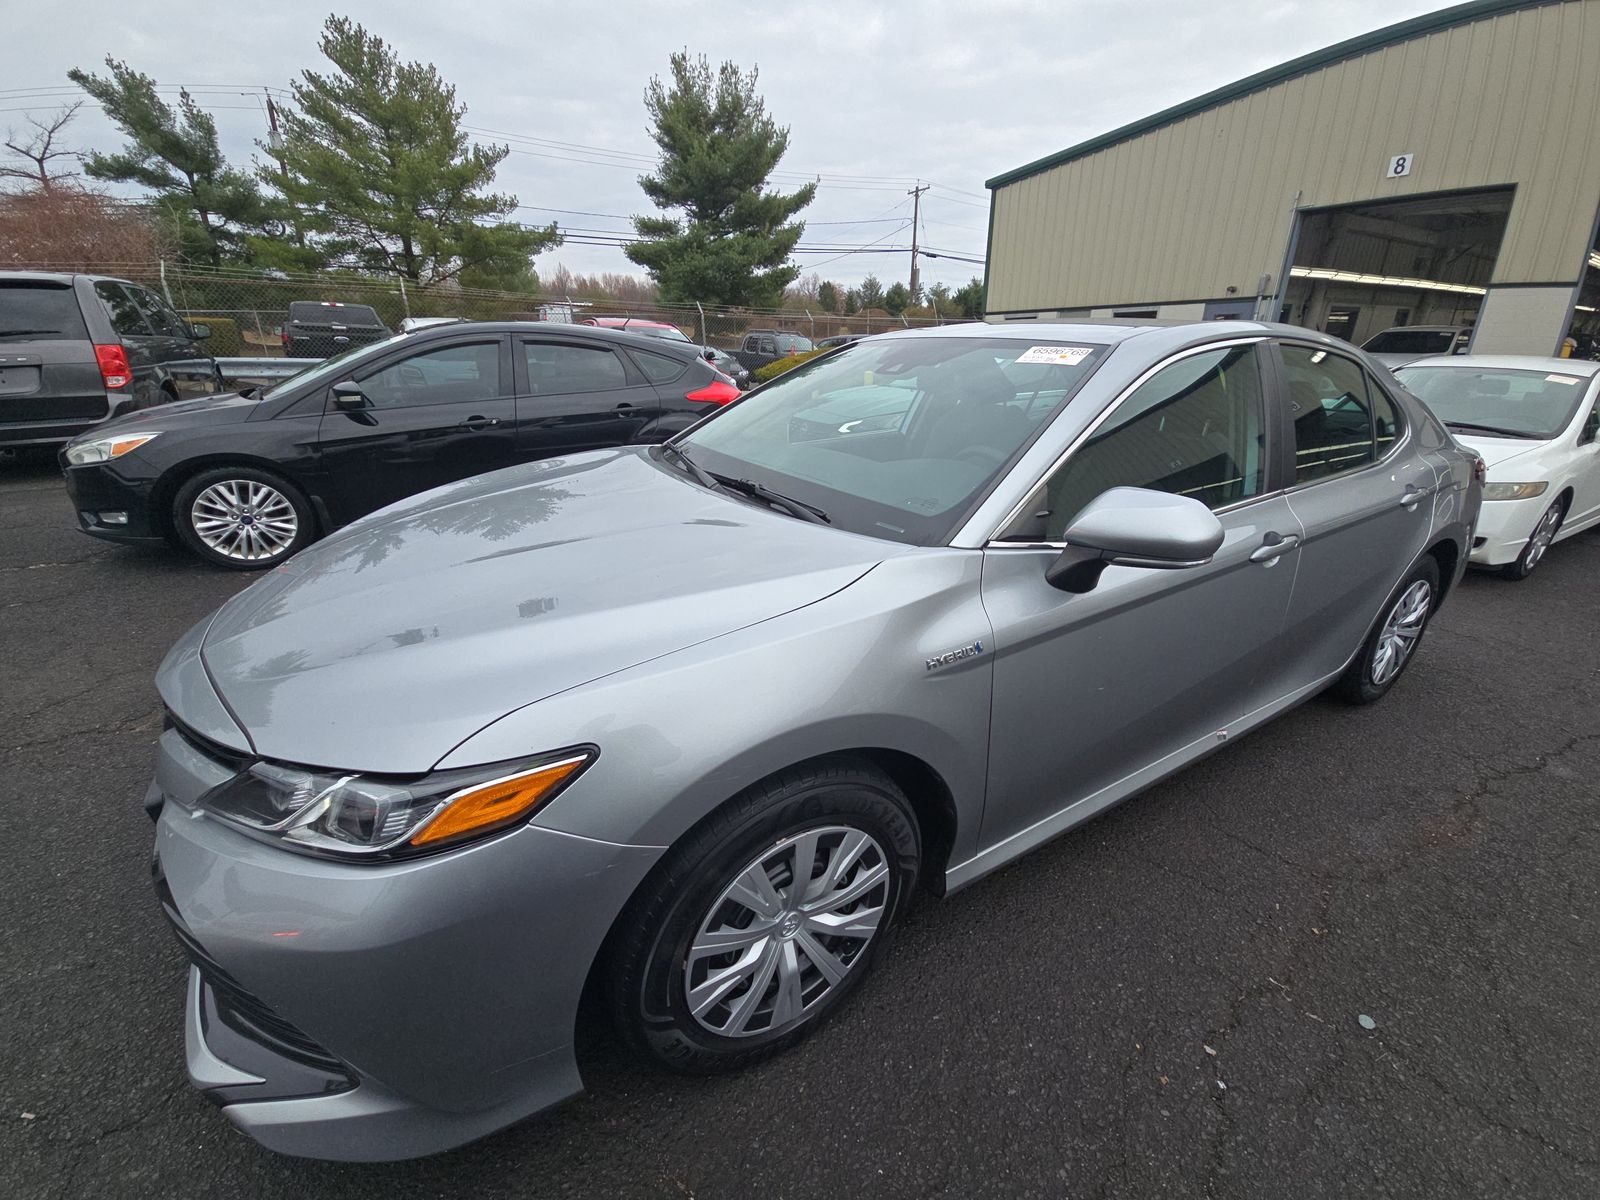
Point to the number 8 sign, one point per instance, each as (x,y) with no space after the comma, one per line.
(1400,165)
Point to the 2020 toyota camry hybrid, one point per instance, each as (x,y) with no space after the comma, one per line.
(692,723)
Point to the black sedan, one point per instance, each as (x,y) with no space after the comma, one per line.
(246,480)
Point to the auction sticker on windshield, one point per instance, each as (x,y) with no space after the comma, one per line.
(1065,356)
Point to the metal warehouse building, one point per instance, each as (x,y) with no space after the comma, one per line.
(1443,171)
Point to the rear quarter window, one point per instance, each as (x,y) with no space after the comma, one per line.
(40,312)
(658,368)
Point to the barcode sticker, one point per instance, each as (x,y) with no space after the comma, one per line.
(1064,356)
(1561,379)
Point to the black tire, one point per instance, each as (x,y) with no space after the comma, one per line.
(1534,550)
(244,478)
(1362,682)
(646,978)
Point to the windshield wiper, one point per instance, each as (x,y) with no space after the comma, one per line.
(701,475)
(1493,430)
(21,332)
(758,491)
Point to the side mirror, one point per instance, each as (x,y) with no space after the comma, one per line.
(199,330)
(708,354)
(1591,425)
(348,396)
(1134,527)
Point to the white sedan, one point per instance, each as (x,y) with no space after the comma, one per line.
(1534,422)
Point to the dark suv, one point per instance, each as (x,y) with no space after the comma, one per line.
(318,328)
(77,349)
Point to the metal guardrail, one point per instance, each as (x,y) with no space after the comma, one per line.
(262,370)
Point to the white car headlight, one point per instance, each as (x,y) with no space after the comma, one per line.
(1513,491)
(104,449)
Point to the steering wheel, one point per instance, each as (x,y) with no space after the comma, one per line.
(983,456)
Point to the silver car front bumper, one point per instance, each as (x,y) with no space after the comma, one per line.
(371,1012)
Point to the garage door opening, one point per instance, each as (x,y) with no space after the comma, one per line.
(1417,267)
(1583,330)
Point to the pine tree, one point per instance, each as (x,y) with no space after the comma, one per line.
(870,293)
(897,299)
(383,177)
(730,245)
(828,297)
(174,153)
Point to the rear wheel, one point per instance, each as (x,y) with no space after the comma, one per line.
(1395,638)
(762,921)
(1538,542)
(242,518)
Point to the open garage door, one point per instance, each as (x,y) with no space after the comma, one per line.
(1421,265)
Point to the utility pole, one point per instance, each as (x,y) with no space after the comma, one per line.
(916,215)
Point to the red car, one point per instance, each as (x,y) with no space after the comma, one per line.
(656,329)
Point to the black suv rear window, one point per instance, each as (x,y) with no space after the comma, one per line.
(39,312)
(315,312)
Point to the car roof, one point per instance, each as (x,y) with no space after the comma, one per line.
(1112,331)
(566,329)
(1423,329)
(1511,362)
(64,278)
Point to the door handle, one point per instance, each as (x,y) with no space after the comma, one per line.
(1413,495)
(624,407)
(480,423)
(1274,546)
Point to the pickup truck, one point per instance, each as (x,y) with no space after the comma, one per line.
(321,328)
(762,346)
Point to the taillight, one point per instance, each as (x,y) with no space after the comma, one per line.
(285,336)
(718,391)
(1480,470)
(114,368)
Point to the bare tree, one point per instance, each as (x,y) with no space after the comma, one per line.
(41,148)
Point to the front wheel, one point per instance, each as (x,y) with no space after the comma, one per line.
(1538,542)
(762,921)
(1395,638)
(242,518)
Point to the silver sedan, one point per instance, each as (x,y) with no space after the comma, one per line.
(693,723)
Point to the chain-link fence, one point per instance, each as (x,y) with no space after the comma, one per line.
(247,312)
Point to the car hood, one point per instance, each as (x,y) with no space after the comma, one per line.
(183,414)
(387,645)
(1495,451)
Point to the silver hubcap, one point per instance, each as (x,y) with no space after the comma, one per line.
(1543,534)
(786,931)
(244,520)
(1401,631)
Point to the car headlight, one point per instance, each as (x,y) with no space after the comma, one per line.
(104,449)
(1513,491)
(328,812)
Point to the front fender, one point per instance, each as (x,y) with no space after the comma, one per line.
(680,735)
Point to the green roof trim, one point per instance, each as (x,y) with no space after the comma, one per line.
(1445,18)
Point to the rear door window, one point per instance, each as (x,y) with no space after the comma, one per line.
(126,317)
(1334,430)
(560,369)
(39,312)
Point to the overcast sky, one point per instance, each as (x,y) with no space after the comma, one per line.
(876,96)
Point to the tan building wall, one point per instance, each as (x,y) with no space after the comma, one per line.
(1185,211)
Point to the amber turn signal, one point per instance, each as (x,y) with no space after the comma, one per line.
(490,806)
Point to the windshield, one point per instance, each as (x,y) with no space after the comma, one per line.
(333,366)
(1481,399)
(1411,341)
(897,438)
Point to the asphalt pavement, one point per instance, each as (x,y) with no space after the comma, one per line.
(1166,1002)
